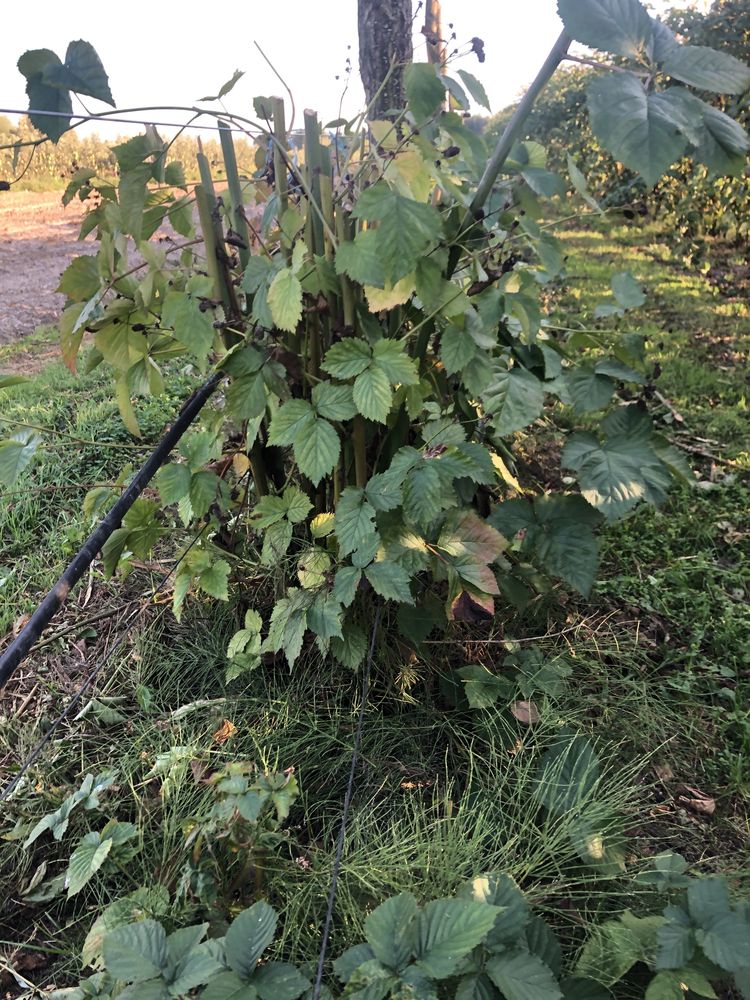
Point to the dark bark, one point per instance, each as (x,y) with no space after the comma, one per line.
(19,648)
(385,46)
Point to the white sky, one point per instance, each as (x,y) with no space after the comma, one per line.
(160,53)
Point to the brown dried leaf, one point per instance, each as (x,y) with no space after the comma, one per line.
(663,772)
(525,711)
(224,732)
(19,624)
(698,801)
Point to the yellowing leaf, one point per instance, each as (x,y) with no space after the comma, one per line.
(379,299)
(225,731)
(413,170)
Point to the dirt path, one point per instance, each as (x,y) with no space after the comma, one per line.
(37,241)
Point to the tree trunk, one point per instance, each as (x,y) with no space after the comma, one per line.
(385,46)
(433,33)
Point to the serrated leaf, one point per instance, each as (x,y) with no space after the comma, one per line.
(334,402)
(345,584)
(285,300)
(390,357)
(138,905)
(291,422)
(521,976)
(173,482)
(82,73)
(708,899)
(475,88)
(348,358)
(354,520)
(448,929)
(348,962)
(514,398)
(619,26)
(406,228)
(723,145)
(421,493)
(36,65)
(373,395)
(588,390)
(727,942)
(391,294)
(137,952)
(85,861)
(425,92)
(513,913)
(352,649)
(317,450)
(249,934)
(610,952)
(616,474)
(297,504)
(80,280)
(312,567)
(389,930)
(213,581)
(457,349)
(202,491)
(483,688)
(191,327)
(361,260)
(641,130)
(390,581)
(228,986)
(707,69)
(676,945)
(279,981)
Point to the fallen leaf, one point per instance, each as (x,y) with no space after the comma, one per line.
(224,732)
(698,801)
(525,711)
(663,772)
(19,624)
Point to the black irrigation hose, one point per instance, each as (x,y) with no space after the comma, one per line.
(317,986)
(17,651)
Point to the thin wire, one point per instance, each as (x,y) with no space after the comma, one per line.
(104,120)
(345,812)
(94,673)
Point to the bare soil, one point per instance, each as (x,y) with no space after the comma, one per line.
(38,239)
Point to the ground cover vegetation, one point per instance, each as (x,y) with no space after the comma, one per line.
(403,373)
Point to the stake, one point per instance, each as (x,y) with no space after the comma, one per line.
(507,139)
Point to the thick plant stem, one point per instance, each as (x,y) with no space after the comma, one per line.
(258,469)
(216,264)
(203,202)
(507,139)
(313,168)
(279,163)
(360,451)
(18,649)
(239,222)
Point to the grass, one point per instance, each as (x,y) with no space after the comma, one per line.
(659,682)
